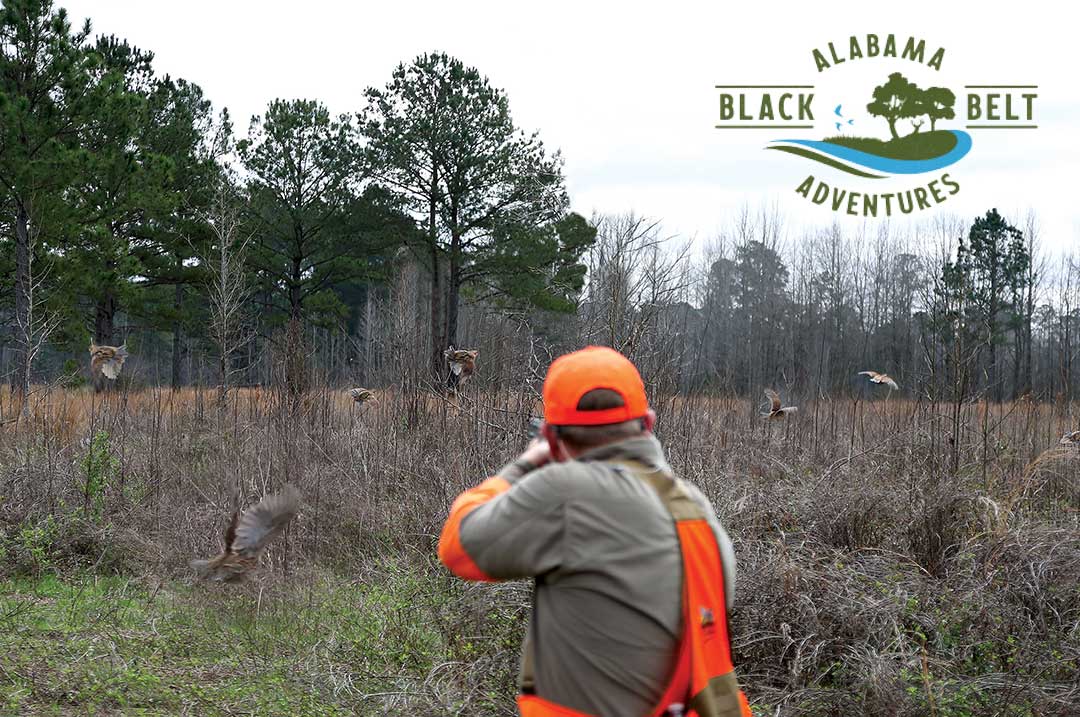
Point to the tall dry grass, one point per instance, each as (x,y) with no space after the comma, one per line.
(872,578)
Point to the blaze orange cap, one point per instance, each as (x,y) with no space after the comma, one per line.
(573,375)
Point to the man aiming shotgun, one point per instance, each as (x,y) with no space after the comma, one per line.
(634,574)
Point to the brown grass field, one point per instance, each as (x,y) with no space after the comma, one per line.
(895,557)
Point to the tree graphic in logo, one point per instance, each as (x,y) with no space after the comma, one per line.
(898,98)
(894,100)
(938,103)
(906,151)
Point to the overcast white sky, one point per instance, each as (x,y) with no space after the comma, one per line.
(626,90)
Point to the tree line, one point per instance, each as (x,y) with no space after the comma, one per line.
(952,309)
(126,195)
(316,248)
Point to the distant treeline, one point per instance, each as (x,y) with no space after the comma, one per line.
(951,309)
(356,248)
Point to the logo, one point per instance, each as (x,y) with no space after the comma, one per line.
(894,134)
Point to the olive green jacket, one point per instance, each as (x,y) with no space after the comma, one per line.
(604,553)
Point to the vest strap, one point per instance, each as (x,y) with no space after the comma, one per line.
(702,675)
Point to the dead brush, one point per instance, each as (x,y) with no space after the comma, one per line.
(857,548)
(1050,483)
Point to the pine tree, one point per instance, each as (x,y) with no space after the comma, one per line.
(305,174)
(180,128)
(998,261)
(46,88)
(442,137)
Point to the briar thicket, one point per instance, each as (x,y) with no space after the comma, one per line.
(904,551)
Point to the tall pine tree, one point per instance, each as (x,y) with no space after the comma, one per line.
(442,137)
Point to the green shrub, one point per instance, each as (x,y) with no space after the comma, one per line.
(30,547)
(99,466)
(73,374)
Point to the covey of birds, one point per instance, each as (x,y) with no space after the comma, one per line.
(248,535)
(776,408)
(462,364)
(107,360)
(880,379)
(361,395)
(1071,439)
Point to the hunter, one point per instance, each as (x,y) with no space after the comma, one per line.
(634,574)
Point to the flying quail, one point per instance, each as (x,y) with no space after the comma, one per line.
(775,409)
(248,535)
(107,360)
(880,378)
(361,395)
(462,364)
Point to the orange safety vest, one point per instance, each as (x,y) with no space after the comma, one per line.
(704,681)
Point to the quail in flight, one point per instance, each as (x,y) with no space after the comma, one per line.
(880,378)
(107,360)
(776,409)
(361,395)
(462,365)
(248,535)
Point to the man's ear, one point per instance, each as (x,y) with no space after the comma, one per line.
(650,420)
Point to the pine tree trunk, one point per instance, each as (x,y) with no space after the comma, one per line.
(295,361)
(178,333)
(453,291)
(1029,314)
(103,332)
(369,334)
(1018,343)
(1066,372)
(104,317)
(437,339)
(295,289)
(23,330)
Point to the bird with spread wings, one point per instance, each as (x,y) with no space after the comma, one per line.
(880,378)
(248,535)
(107,360)
(776,409)
(462,365)
(362,395)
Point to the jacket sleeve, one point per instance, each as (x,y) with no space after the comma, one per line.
(501,530)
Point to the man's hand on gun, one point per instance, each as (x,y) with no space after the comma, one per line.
(537,453)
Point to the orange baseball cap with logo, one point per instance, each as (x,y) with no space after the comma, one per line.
(573,375)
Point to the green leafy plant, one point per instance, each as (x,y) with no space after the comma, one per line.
(99,465)
(73,377)
(32,546)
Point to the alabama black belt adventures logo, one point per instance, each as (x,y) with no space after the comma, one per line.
(889,148)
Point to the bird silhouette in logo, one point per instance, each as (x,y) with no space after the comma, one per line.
(840,125)
(248,535)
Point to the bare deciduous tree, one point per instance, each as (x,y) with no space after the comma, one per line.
(227,288)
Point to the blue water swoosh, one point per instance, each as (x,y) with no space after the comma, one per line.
(885,164)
